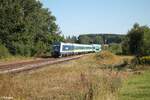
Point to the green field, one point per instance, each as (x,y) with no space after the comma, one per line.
(136,87)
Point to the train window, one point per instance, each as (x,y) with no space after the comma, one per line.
(97,48)
(67,47)
(77,47)
(81,47)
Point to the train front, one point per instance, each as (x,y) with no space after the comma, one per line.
(56,49)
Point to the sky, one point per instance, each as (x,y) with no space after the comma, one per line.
(76,17)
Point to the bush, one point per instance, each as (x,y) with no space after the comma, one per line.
(115,48)
(19,48)
(41,49)
(3,51)
(140,60)
(145,60)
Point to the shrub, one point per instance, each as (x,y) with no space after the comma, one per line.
(115,48)
(140,61)
(3,51)
(40,48)
(19,48)
(145,60)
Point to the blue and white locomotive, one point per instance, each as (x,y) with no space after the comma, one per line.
(64,49)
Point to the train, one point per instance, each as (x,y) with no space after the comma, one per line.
(60,49)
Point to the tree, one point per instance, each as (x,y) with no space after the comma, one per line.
(135,36)
(72,39)
(25,25)
(98,40)
(146,40)
(125,46)
(84,39)
(137,41)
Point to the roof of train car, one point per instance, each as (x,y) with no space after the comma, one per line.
(75,44)
(80,44)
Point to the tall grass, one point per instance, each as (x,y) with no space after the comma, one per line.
(82,79)
(16,58)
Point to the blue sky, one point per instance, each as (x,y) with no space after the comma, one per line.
(98,16)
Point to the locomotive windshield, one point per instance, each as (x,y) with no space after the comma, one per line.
(56,47)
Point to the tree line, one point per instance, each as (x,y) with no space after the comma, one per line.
(96,38)
(26,28)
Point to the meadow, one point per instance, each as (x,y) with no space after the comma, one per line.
(136,87)
(92,77)
(81,79)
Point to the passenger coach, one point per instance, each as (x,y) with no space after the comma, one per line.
(64,49)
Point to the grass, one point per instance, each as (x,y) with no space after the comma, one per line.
(13,59)
(81,79)
(136,87)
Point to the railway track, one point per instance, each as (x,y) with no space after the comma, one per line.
(30,65)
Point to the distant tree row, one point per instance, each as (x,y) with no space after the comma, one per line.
(137,41)
(71,39)
(26,28)
(101,38)
(96,38)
